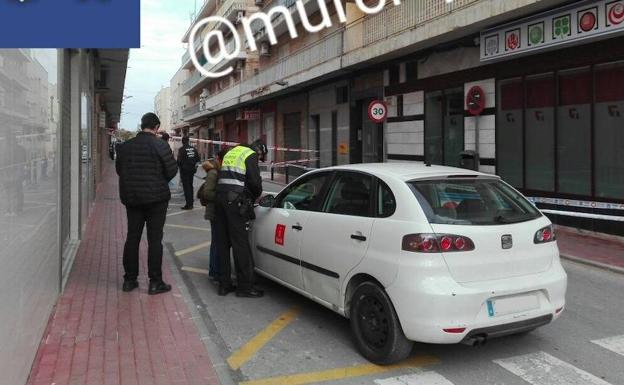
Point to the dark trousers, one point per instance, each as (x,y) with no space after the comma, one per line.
(232,232)
(187,184)
(214,253)
(154,215)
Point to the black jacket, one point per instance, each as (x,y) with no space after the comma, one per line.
(187,159)
(145,166)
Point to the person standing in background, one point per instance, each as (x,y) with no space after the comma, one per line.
(187,162)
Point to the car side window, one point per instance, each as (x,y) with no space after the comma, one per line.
(350,194)
(386,203)
(302,194)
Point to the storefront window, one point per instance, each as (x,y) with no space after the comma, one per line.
(574,131)
(509,123)
(609,131)
(433,128)
(540,132)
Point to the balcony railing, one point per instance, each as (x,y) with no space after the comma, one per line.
(190,111)
(357,35)
(197,77)
(395,19)
(326,49)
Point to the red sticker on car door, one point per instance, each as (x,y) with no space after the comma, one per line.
(280,232)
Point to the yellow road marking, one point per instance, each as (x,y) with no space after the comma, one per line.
(342,373)
(184,212)
(245,353)
(188,227)
(192,249)
(195,270)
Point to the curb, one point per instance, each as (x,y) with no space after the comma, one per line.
(599,265)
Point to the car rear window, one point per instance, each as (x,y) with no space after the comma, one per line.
(473,201)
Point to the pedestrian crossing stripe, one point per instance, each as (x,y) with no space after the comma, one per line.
(423,378)
(614,344)
(543,369)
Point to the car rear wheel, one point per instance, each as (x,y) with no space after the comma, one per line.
(375,325)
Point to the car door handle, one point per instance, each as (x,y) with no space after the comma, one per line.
(358,237)
(297,227)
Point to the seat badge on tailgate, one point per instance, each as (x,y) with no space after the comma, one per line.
(507,241)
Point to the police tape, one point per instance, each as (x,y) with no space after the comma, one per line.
(289,162)
(233,144)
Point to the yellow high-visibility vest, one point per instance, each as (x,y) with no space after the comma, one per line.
(233,169)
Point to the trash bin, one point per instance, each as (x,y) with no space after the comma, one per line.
(469,160)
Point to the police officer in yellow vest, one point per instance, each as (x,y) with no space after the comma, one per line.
(238,187)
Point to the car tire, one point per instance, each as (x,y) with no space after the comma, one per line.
(375,326)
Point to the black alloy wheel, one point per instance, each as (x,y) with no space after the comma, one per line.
(375,325)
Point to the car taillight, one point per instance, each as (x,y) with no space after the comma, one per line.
(434,243)
(547,234)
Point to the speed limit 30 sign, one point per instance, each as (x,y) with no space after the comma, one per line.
(377,111)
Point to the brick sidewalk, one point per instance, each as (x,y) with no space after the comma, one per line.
(602,250)
(99,335)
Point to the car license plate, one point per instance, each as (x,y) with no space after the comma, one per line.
(513,304)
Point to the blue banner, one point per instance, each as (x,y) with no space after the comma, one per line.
(70,23)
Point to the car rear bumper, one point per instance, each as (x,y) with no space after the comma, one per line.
(427,301)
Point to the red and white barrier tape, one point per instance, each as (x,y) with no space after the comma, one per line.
(233,144)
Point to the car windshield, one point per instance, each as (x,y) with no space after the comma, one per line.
(473,201)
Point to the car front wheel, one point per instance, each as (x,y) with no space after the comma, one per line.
(375,325)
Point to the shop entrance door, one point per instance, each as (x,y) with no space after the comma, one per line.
(366,136)
(444,126)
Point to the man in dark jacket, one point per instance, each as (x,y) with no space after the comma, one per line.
(187,162)
(239,185)
(145,166)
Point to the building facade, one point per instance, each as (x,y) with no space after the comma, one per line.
(162,108)
(546,73)
(57,108)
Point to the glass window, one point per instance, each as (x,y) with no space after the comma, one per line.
(303,194)
(609,132)
(574,131)
(472,202)
(350,194)
(386,204)
(509,122)
(540,132)
(433,128)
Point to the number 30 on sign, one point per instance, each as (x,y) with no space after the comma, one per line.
(377,111)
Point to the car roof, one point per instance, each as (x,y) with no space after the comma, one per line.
(408,170)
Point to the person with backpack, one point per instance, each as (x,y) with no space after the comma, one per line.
(188,157)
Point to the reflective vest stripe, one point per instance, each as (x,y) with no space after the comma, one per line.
(230,181)
(233,169)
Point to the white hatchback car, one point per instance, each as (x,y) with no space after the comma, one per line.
(411,252)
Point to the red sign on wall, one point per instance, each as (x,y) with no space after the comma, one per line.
(280,233)
(251,114)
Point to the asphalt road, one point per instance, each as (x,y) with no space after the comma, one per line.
(284,338)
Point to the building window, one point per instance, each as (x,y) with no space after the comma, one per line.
(540,132)
(394,74)
(574,131)
(609,135)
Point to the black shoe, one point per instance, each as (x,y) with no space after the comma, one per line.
(158,287)
(187,207)
(225,290)
(252,293)
(130,285)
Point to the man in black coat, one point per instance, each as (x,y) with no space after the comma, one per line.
(187,162)
(145,166)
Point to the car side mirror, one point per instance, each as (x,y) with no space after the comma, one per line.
(267,201)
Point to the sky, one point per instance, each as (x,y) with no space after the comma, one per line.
(163,23)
